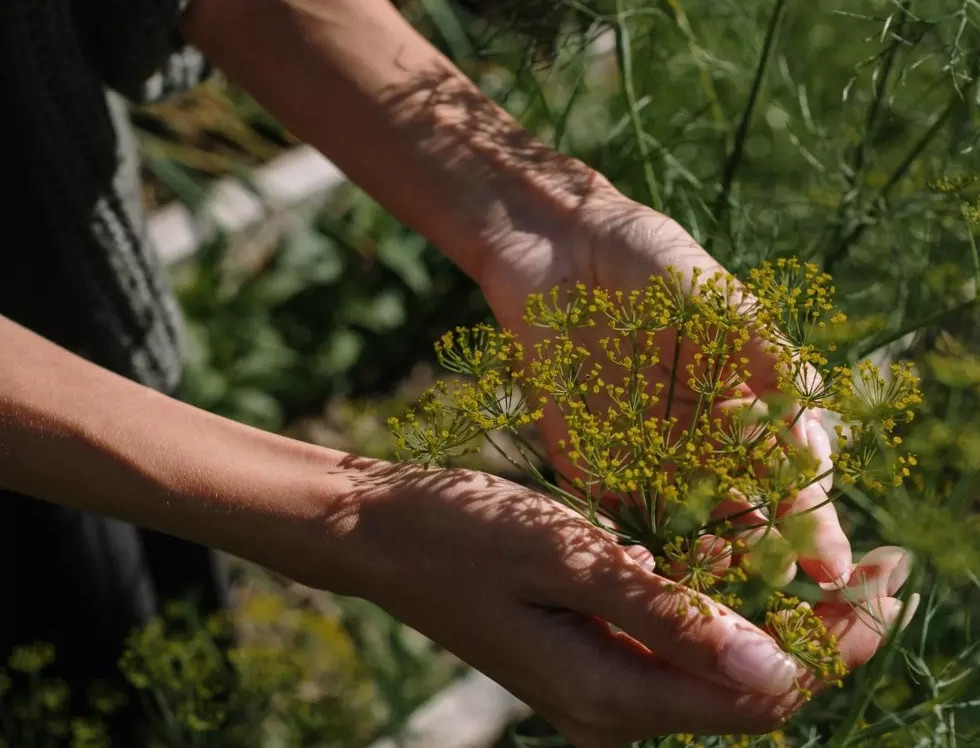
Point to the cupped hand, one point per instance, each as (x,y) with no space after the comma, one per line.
(553,609)
(612,242)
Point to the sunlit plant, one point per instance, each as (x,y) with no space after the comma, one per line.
(665,445)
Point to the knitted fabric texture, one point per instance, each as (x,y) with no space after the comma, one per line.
(83,273)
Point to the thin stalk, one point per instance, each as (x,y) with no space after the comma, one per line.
(872,677)
(649,509)
(738,149)
(449,28)
(532,468)
(569,499)
(841,241)
(918,324)
(912,714)
(673,375)
(624,55)
(530,448)
(508,458)
(975,257)
(697,54)
(753,507)
(845,241)
(561,124)
(670,403)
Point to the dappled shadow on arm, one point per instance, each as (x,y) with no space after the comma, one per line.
(453,123)
(439,524)
(457,554)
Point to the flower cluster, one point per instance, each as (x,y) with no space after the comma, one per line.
(682,404)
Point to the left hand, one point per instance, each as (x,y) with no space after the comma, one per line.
(612,242)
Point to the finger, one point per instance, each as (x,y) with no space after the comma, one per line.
(860,623)
(642,556)
(605,691)
(825,554)
(746,414)
(811,520)
(768,553)
(880,573)
(689,630)
(859,632)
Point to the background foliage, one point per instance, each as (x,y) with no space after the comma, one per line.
(840,132)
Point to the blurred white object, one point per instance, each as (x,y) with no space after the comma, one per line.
(293,178)
(471,713)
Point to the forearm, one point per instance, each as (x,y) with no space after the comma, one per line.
(354,79)
(75,434)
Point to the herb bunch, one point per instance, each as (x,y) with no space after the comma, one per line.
(666,445)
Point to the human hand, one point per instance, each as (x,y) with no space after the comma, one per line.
(614,243)
(524,589)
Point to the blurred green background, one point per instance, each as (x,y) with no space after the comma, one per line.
(840,132)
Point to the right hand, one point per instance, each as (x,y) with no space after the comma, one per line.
(523,589)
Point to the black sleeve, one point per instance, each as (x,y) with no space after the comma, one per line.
(136,47)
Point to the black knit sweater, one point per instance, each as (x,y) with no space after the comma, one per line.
(75,264)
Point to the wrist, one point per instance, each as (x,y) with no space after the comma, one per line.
(529,204)
(355,80)
(383,526)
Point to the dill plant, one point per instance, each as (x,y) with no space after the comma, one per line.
(698,471)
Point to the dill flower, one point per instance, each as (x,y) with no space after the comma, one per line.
(661,446)
(804,636)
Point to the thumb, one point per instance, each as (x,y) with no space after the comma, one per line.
(689,630)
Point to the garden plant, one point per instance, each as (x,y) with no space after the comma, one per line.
(808,145)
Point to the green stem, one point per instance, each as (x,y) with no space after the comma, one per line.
(697,54)
(659,509)
(738,149)
(974,256)
(574,502)
(845,241)
(449,28)
(873,675)
(624,54)
(918,324)
(842,239)
(673,375)
(912,714)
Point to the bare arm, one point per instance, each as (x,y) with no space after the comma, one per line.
(357,81)
(504,577)
(76,434)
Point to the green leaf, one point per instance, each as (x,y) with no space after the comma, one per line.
(404,256)
(383,313)
(339,354)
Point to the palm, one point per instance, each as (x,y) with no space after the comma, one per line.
(620,250)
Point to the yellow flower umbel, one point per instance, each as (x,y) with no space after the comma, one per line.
(803,635)
(663,449)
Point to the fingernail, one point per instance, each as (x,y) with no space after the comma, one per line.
(754,661)
(902,567)
(839,583)
(910,607)
(871,583)
(891,616)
